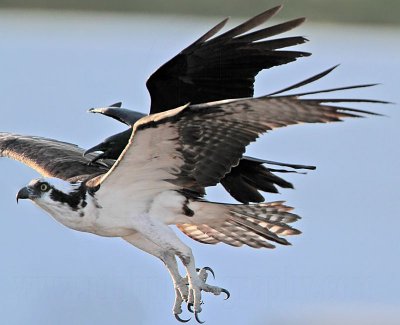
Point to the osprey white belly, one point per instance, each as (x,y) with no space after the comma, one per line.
(77,208)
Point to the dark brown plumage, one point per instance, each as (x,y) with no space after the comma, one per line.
(51,158)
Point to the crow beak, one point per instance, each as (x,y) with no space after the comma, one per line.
(97,110)
(103,110)
(122,115)
(23,193)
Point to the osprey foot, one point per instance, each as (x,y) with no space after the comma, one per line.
(199,284)
(191,294)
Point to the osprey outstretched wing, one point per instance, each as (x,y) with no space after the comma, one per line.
(243,182)
(50,158)
(195,146)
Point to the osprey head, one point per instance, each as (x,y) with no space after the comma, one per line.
(47,192)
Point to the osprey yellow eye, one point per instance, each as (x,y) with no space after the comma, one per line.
(44,187)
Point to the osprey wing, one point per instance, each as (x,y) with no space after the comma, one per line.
(243,182)
(225,66)
(195,146)
(51,158)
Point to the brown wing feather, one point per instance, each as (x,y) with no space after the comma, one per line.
(214,136)
(254,225)
(51,158)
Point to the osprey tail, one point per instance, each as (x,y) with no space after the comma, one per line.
(255,225)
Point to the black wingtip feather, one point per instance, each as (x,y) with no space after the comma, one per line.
(277,163)
(210,33)
(305,82)
(333,90)
(271,31)
(252,22)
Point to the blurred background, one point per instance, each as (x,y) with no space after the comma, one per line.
(353,11)
(59,58)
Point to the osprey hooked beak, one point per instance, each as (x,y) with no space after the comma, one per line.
(24,193)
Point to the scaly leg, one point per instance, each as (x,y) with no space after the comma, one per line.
(168,258)
(167,239)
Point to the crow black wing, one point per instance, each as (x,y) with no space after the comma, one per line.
(223,67)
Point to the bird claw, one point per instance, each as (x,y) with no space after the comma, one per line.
(192,300)
(196,315)
(227,293)
(207,268)
(180,319)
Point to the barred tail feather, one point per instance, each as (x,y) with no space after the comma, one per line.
(254,225)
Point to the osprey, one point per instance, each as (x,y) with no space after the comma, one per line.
(191,140)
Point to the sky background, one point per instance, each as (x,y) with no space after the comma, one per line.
(343,269)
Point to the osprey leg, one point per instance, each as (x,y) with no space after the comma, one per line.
(169,241)
(168,258)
